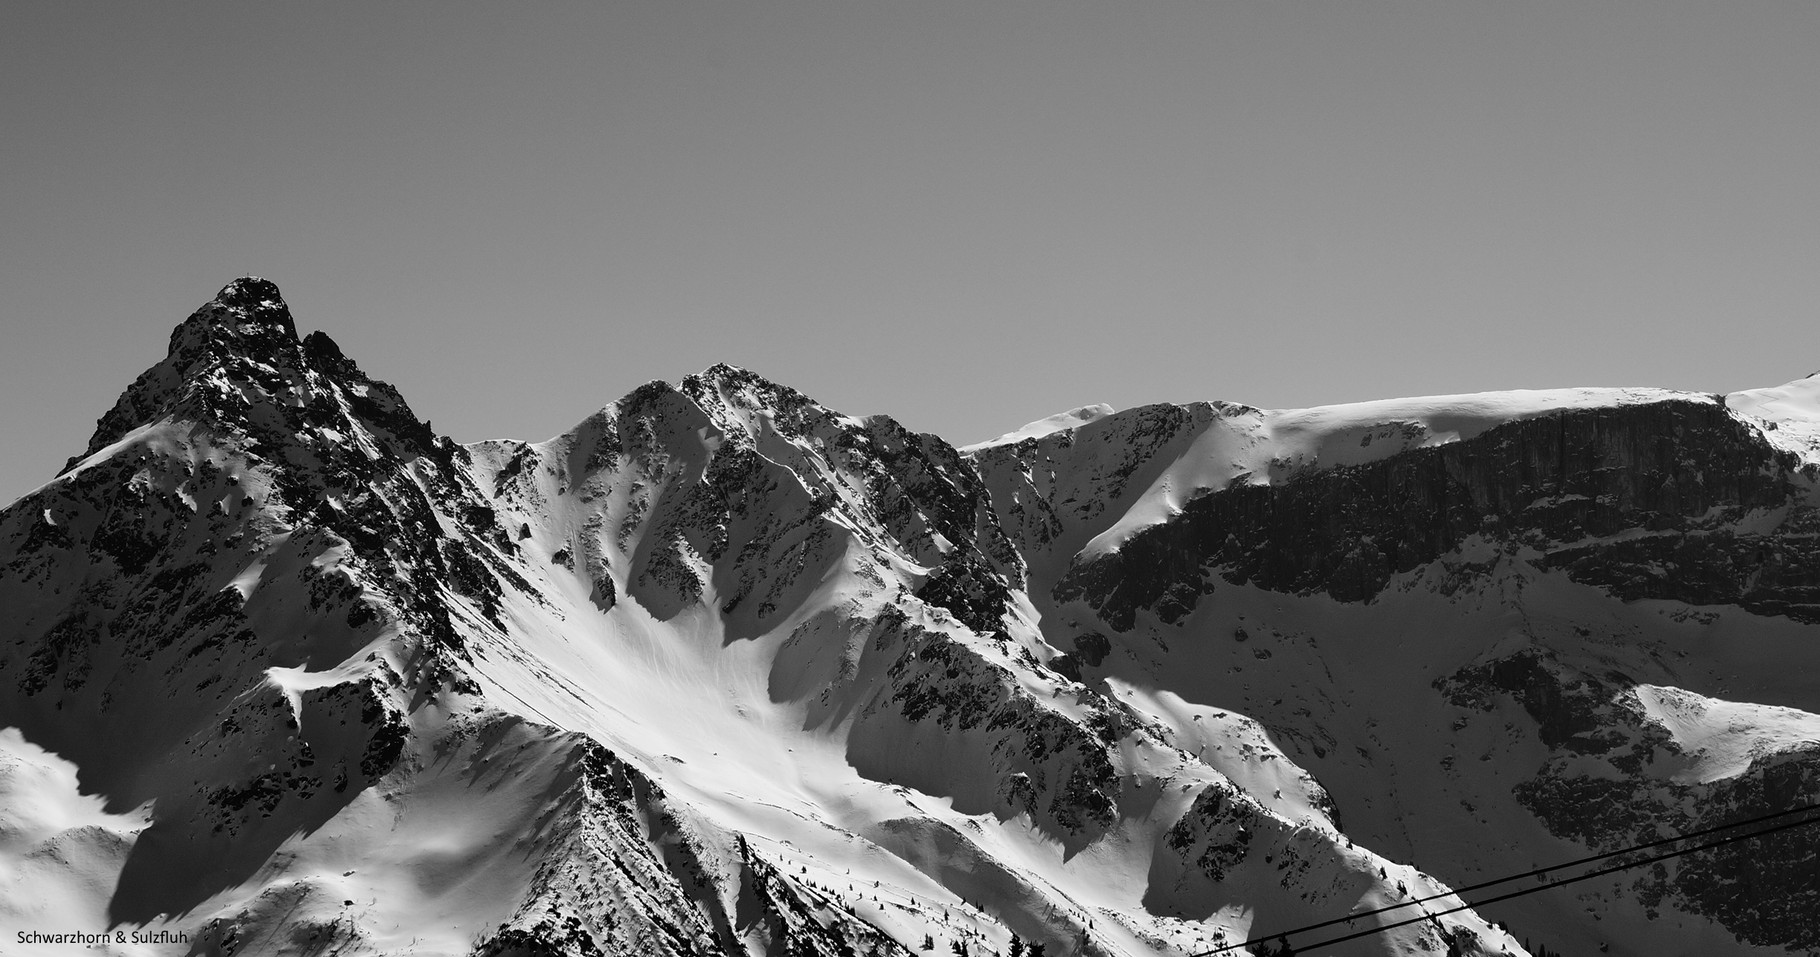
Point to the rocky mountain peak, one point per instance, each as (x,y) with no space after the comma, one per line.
(738,398)
(247,317)
(255,296)
(237,365)
(244,335)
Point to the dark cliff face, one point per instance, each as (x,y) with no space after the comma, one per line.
(1643,500)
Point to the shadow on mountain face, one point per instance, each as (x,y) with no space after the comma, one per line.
(292,771)
(183,860)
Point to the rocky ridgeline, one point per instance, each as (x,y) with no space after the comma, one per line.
(1685,474)
(737,484)
(1055,492)
(252,505)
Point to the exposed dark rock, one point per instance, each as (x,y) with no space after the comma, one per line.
(1557,485)
(972,591)
(1766,891)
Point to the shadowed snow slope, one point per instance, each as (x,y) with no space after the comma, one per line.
(723,671)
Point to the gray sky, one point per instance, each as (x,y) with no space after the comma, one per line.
(966,214)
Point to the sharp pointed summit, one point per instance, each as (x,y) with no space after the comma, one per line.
(243,336)
(236,367)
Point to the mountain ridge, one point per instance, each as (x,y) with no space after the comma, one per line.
(638,672)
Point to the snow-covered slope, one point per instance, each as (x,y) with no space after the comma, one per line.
(723,671)
(1789,415)
(1501,630)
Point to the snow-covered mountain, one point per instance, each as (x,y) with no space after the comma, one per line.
(723,671)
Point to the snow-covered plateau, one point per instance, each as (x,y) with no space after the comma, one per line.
(720,671)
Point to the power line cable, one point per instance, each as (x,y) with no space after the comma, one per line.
(1541,870)
(1540,887)
(1566,880)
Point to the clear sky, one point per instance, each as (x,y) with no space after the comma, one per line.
(965,214)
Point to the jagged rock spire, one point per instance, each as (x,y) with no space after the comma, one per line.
(237,361)
(246,323)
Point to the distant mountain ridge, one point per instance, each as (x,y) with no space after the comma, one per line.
(723,671)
